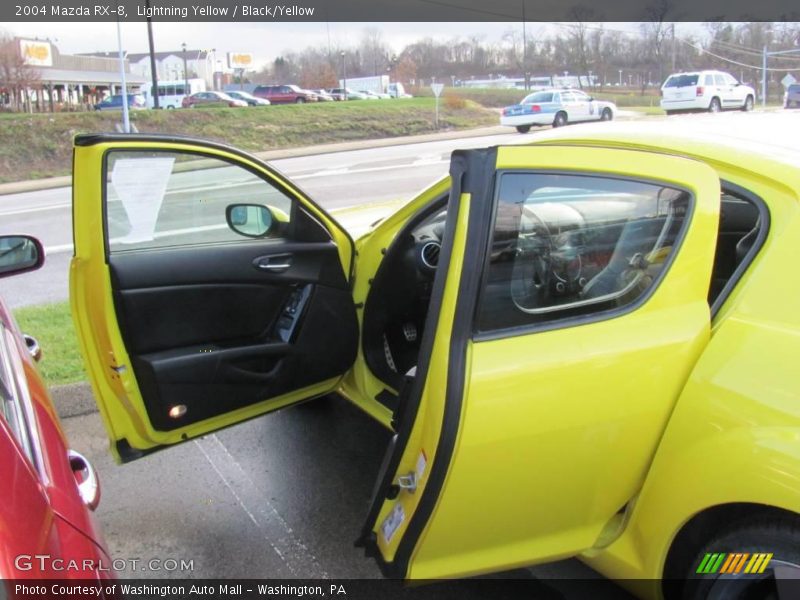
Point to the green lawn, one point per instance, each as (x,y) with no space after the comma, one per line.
(40,145)
(51,324)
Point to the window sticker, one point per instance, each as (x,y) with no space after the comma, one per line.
(140,184)
(392,522)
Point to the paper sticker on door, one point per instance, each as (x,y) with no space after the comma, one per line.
(392,522)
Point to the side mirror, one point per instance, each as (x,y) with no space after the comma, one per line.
(250,220)
(591,99)
(20,253)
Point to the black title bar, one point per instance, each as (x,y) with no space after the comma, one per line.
(398,10)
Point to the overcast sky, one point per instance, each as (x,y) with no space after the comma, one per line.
(264,40)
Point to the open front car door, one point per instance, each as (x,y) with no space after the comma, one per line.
(206,289)
(568,309)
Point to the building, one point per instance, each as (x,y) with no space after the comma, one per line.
(199,64)
(62,81)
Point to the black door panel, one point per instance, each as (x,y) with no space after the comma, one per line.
(209,331)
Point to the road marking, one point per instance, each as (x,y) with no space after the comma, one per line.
(295,555)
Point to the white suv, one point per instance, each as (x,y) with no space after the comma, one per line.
(705,90)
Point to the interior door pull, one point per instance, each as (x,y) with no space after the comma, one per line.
(277,263)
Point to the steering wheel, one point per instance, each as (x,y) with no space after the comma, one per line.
(532,271)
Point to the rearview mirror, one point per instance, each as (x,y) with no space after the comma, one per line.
(250,220)
(20,253)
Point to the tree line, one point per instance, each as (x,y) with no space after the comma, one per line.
(641,57)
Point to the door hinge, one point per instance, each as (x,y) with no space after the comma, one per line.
(408,482)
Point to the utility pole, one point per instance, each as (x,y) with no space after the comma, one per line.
(153,72)
(525,49)
(126,122)
(764,77)
(673,47)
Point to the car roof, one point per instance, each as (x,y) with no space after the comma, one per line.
(712,141)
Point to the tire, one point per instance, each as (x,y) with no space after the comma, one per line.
(170,107)
(670,112)
(560,119)
(715,106)
(606,115)
(523,128)
(748,104)
(778,536)
(300,101)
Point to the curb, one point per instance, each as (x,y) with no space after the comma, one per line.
(34,185)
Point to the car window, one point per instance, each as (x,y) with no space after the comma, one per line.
(538,97)
(167,199)
(681,81)
(709,80)
(730,79)
(580,96)
(719,80)
(11,409)
(567,97)
(575,246)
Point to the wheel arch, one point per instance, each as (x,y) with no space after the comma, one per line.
(702,527)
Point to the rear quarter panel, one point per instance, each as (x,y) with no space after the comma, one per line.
(735,433)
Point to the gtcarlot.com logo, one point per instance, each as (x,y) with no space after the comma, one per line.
(733,563)
(46,562)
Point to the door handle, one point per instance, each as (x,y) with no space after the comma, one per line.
(275,263)
(88,484)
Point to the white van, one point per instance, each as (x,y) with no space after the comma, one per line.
(705,90)
(172,93)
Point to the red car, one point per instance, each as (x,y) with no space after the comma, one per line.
(47,529)
(285,94)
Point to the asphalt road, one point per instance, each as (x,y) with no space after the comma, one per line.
(336,181)
(281,496)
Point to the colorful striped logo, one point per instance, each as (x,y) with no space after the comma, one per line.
(734,563)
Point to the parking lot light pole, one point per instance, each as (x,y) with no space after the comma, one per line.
(185,71)
(344,75)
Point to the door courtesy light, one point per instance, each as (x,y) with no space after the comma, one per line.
(177,411)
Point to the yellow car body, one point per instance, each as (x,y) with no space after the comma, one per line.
(629,437)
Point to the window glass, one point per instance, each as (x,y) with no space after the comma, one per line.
(11,408)
(161,199)
(681,81)
(719,80)
(570,245)
(709,80)
(538,97)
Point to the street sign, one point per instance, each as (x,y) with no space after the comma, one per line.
(786,81)
(437,89)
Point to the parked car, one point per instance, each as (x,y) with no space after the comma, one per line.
(370,95)
(285,94)
(135,102)
(705,90)
(337,94)
(556,107)
(248,98)
(347,93)
(559,335)
(323,96)
(50,490)
(792,96)
(212,100)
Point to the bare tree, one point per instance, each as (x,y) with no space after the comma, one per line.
(16,76)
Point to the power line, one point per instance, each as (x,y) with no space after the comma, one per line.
(735,62)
